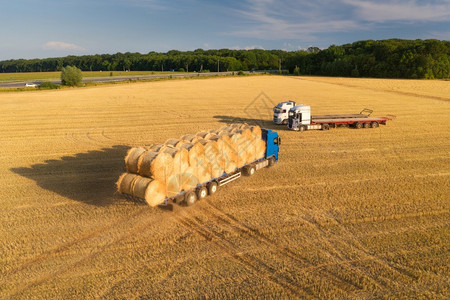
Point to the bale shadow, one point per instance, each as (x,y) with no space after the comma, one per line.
(86,177)
(261,123)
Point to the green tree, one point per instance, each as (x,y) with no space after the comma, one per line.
(71,76)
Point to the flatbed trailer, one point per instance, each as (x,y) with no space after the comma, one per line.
(300,119)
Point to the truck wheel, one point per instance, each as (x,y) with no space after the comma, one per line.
(202,192)
(325,126)
(375,124)
(271,161)
(212,187)
(358,125)
(302,128)
(285,121)
(249,170)
(190,198)
(366,125)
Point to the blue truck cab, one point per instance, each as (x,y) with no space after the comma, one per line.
(272,143)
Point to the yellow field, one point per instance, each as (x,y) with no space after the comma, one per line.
(345,213)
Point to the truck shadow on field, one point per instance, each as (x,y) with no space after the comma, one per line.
(86,177)
(261,123)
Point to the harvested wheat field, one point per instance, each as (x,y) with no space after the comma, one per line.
(345,213)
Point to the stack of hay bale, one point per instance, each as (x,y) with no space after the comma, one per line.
(163,171)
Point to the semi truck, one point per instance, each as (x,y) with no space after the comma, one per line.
(300,119)
(281,110)
(210,187)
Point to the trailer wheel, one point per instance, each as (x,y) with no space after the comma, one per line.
(212,187)
(271,161)
(302,128)
(202,192)
(366,125)
(375,124)
(190,198)
(358,125)
(325,126)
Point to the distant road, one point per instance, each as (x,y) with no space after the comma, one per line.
(17,84)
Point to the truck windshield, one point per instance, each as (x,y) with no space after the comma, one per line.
(277,110)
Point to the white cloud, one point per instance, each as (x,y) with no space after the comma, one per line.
(400,10)
(294,19)
(289,19)
(53,45)
(247,47)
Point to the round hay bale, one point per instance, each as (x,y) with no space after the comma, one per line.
(188,179)
(155,193)
(186,146)
(196,155)
(202,134)
(260,149)
(125,183)
(196,139)
(162,167)
(202,141)
(256,131)
(158,165)
(230,161)
(145,161)
(212,131)
(204,172)
(172,142)
(180,161)
(188,137)
(171,151)
(240,145)
(132,158)
(212,151)
(213,137)
(181,142)
(173,185)
(158,148)
(216,169)
(140,186)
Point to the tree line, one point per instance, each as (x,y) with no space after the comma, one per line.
(393,58)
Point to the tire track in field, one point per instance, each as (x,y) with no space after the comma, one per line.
(379,90)
(253,233)
(393,266)
(126,275)
(68,245)
(364,253)
(394,217)
(339,254)
(134,231)
(250,262)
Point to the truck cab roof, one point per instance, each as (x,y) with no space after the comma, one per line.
(287,103)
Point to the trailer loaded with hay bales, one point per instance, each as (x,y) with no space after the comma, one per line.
(194,166)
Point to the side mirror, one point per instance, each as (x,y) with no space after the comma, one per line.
(279,141)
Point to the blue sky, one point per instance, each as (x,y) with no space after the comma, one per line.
(53,28)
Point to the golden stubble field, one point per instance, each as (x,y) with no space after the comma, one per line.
(345,213)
